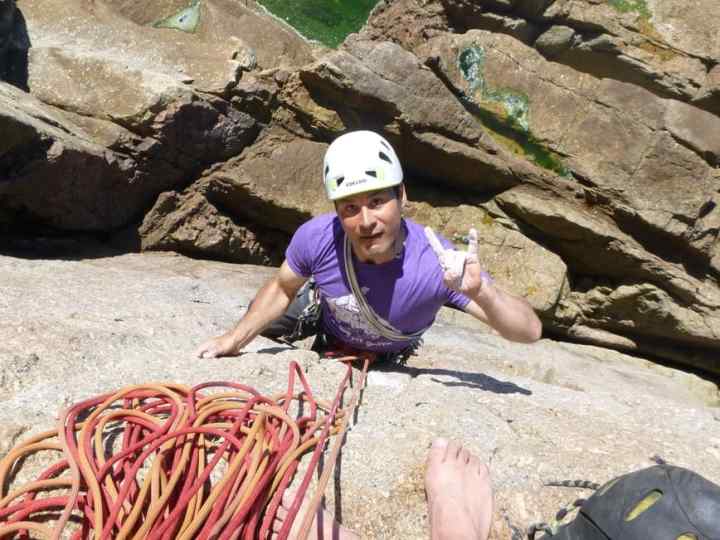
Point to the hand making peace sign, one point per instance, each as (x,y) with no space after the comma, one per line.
(461,269)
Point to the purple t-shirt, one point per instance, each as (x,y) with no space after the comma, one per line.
(407,292)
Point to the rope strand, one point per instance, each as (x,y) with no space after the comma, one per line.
(168,461)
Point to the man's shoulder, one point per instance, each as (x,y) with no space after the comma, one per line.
(317,234)
(314,241)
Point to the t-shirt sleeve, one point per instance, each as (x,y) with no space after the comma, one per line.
(454,298)
(457,300)
(298,254)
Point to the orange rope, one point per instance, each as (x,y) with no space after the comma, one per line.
(167,461)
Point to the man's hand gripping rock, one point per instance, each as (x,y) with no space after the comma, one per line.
(461,269)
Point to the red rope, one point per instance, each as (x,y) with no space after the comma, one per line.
(167,461)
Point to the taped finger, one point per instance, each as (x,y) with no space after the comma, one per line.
(435,244)
(472,243)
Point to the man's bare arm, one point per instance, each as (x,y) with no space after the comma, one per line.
(510,315)
(270,303)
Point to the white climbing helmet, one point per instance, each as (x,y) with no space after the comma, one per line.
(360,161)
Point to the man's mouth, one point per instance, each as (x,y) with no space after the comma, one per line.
(371,236)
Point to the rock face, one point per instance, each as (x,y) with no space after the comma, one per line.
(535,413)
(579,136)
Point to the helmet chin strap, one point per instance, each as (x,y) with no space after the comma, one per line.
(400,241)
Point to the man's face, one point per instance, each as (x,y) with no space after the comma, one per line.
(372,222)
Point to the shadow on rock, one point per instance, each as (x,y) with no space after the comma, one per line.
(274,350)
(478,381)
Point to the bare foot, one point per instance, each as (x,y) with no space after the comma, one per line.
(324,526)
(459,493)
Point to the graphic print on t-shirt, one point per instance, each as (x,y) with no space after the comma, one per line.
(351,322)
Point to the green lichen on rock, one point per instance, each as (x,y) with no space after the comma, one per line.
(504,112)
(654,43)
(186,19)
(515,105)
(326,21)
(629,6)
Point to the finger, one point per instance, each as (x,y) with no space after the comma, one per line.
(472,243)
(455,262)
(206,350)
(435,244)
(452,281)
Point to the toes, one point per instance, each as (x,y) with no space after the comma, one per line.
(464,456)
(437,451)
(453,451)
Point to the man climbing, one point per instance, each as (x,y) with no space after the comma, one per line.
(378,279)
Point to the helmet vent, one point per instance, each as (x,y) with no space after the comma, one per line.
(385,157)
(386,145)
(371,173)
(327,169)
(340,180)
(687,536)
(648,501)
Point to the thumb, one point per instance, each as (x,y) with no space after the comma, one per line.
(472,245)
(206,351)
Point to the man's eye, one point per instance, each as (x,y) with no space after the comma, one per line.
(351,209)
(377,201)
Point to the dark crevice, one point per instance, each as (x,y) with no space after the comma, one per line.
(493,17)
(240,201)
(17,159)
(14,46)
(706,208)
(665,352)
(664,245)
(437,193)
(711,159)
(273,241)
(32,240)
(572,253)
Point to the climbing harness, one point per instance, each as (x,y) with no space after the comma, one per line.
(663,502)
(168,461)
(309,319)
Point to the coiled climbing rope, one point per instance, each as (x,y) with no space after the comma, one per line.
(162,461)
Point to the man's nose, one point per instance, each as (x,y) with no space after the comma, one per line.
(368,219)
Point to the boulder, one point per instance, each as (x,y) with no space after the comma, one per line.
(533,413)
(246,209)
(580,136)
(646,44)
